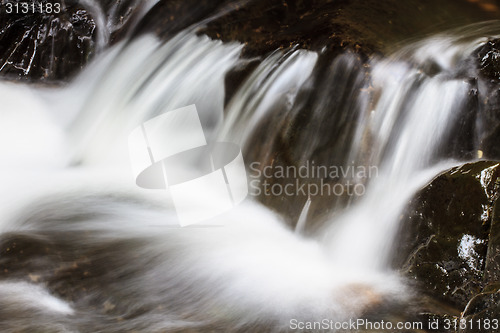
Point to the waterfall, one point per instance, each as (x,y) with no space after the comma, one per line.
(406,126)
(411,119)
(70,185)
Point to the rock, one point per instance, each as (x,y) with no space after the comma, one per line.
(166,18)
(492,266)
(121,16)
(53,47)
(237,76)
(489,60)
(366,26)
(447,231)
(459,142)
(482,314)
(47,47)
(312,133)
(488,122)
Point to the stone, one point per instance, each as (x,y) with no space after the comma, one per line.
(447,231)
(482,314)
(489,60)
(488,128)
(46,47)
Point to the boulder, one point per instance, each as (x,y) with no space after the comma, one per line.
(448,234)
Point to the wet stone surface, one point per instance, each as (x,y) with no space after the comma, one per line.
(46,47)
(488,124)
(53,47)
(446,231)
(489,60)
(364,26)
(449,239)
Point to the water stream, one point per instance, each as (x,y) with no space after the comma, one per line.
(65,156)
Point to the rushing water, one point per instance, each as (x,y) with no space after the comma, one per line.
(114,257)
(405,127)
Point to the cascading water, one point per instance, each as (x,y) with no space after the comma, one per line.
(410,120)
(253,274)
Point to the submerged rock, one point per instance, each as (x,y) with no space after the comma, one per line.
(450,235)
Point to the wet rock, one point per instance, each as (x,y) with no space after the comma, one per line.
(121,17)
(482,314)
(312,133)
(236,76)
(366,26)
(169,17)
(492,267)
(46,46)
(54,47)
(446,234)
(459,141)
(489,60)
(86,275)
(488,123)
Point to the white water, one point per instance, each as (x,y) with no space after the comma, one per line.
(402,151)
(255,269)
(103,32)
(273,84)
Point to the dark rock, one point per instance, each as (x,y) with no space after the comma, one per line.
(169,17)
(446,232)
(236,76)
(46,46)
(459,141)
(54,47)
(488,122)
(121,17)
(492,267)
(314,130)
(482,314)
(489,60)
(366,26)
